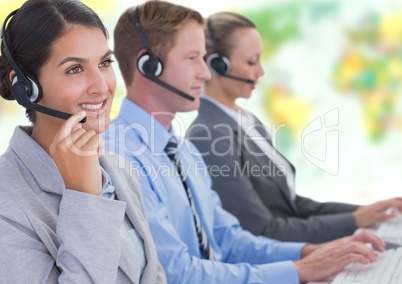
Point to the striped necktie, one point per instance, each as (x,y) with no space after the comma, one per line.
(173,153)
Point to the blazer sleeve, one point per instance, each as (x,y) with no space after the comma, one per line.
(308,207)
(240,197)
(89,250)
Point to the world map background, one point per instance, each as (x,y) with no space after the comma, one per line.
(331,94)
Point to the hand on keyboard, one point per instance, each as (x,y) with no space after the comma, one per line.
(387,269)
(391,231)
(324,260)
(393,211)
(366,237)
(369,215)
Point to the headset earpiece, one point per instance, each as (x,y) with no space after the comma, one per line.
(219,64)
(19,89)
(23,85)
(149,66)
(36,90)
(33,92)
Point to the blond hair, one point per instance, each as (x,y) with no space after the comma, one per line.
(223,25)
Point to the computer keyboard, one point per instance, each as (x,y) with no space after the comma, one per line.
(391,230)
(387,269)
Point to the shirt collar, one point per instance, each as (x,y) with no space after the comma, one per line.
(151,132)
(246,118)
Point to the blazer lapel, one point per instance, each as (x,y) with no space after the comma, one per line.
(217,114)
(48,176)
(263,131)
(280,181)
(285,190)
(128,190)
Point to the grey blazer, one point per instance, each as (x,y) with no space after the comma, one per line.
(49,234)
(254,190)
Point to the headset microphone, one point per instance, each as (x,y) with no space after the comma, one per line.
(218,63)
(25,87)
(149,65)
(169,87)
(239,79)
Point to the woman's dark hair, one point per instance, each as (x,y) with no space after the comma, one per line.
(32,31)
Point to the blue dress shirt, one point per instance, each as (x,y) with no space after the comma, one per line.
(241,257)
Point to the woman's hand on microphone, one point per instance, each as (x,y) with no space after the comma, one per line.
(76,154)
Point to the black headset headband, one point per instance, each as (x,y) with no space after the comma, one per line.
(21,86)
(144,41)
(218,62)
(155,60)
(20,75)
(213,39)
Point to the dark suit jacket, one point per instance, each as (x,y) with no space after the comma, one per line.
(254,189)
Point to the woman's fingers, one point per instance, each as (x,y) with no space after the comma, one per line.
(67,127)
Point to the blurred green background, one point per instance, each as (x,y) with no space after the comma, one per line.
(331,94)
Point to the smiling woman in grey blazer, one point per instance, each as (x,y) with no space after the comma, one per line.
(255,182)
(68,212)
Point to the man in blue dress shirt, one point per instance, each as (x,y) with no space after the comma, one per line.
(160,47)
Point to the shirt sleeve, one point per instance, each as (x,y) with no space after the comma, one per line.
(239,264)
(239,245)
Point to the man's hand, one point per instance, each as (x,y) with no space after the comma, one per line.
(324,260)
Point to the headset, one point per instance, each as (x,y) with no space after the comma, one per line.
(149,65)
(25,87)
(218,63)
